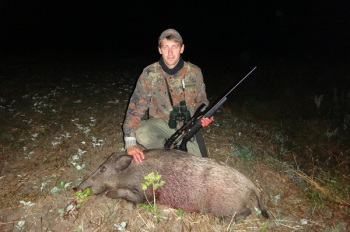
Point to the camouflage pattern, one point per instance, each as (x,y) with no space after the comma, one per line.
(151,94)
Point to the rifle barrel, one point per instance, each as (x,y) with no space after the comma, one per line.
(240,81)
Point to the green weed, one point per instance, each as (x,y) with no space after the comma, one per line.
(243,152)
(154,180)
(82,195)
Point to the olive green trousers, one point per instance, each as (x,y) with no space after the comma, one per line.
(153,133)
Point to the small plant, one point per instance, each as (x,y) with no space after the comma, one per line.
(82,195)
(244,152)
(153,180)
(179,212)
(75,204)
(20,225)
(264,227)
(60,185)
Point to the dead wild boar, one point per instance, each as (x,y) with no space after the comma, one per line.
(192,183)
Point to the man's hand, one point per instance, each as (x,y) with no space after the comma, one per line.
(136,153)
(207,121)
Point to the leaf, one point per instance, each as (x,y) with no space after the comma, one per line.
(70,208)
(81,195)
(60,183)
(147,206)
(66,185)
(78,193)
(88,192)
(61,212)
(157,177)
(179,212)
(54,190)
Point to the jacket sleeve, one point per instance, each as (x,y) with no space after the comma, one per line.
(202,96)
(138,105)
(196,92)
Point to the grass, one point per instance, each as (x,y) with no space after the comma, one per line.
(61,119)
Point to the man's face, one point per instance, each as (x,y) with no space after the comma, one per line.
(171,52)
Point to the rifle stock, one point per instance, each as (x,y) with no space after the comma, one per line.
(173,140)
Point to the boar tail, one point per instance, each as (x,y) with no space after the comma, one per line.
(262,208)
(264,213)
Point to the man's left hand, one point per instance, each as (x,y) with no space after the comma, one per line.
(207,121)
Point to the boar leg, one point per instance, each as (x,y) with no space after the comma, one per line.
(237,217)
(242,215)
(126,194)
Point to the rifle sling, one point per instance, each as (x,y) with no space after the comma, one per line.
(170,98)
(201,144)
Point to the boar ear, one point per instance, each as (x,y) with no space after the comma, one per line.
(123,162)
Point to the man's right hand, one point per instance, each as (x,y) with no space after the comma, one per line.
(136,153)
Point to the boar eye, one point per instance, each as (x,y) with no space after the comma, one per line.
(102,169)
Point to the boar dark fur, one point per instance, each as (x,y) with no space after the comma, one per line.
(193,184)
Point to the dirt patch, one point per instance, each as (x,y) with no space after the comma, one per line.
(58,127)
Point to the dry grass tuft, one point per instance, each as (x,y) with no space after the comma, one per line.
(320,188)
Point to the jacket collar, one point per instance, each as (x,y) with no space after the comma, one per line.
(174,70)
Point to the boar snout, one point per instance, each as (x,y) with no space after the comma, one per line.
(78,188)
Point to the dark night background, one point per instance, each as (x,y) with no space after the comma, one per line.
(218,35)
(65,60)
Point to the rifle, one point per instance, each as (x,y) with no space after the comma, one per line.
(194,124)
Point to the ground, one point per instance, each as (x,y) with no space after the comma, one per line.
(61,119)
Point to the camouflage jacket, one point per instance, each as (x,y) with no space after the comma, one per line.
(151,94)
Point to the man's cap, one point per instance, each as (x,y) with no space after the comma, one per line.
(172,32)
